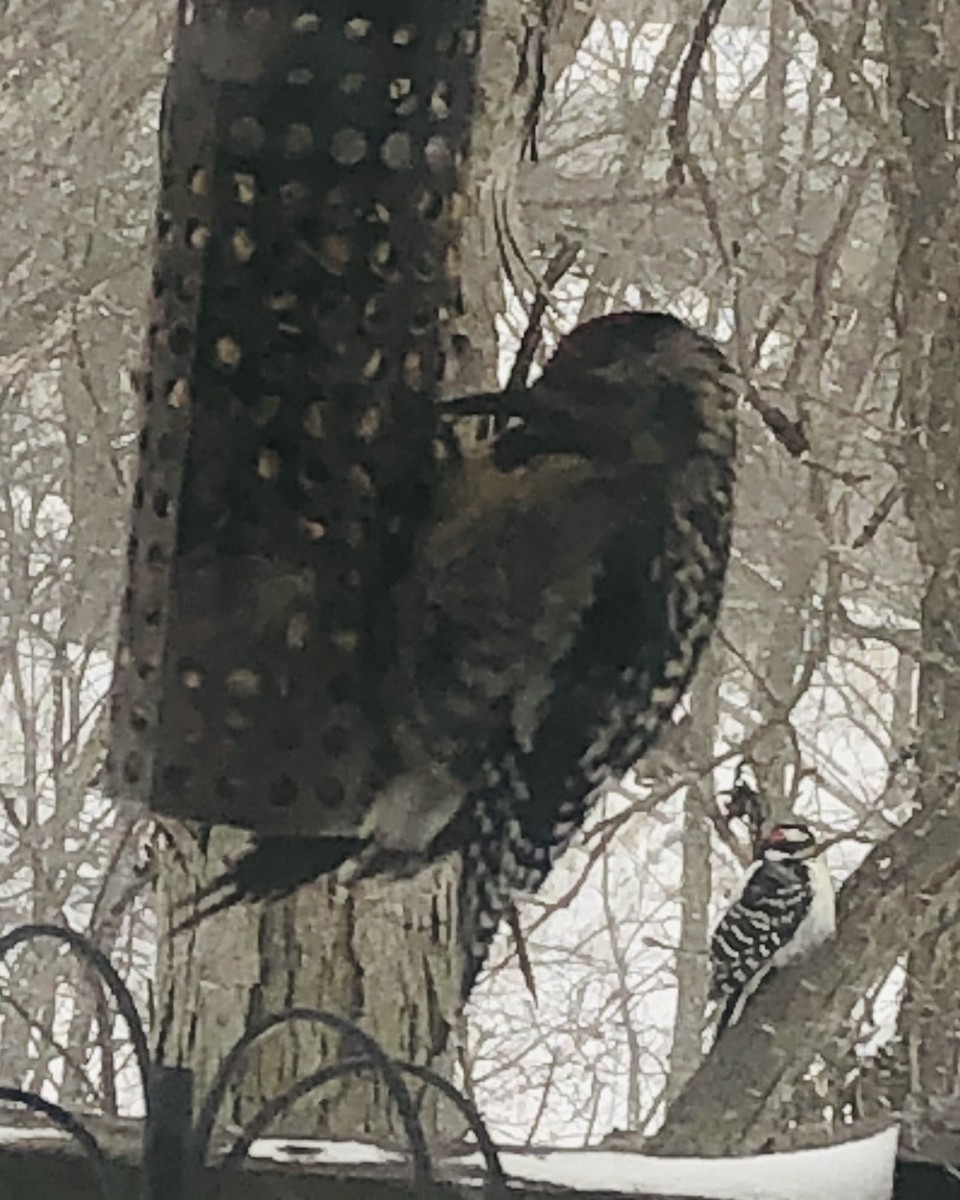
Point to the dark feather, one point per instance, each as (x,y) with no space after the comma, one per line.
(560,595)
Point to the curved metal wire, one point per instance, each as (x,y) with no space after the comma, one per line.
(69,1124)
(96,959)
(496,1179)
(374,1059)
(261,1121)
(485,1144)
(422,1166)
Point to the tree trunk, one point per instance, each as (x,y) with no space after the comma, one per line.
(693,978)
(385,957)
(926,201)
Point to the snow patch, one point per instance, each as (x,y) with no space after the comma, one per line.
(328,1153)
(862,1170)
(859,1170)
(31,1133)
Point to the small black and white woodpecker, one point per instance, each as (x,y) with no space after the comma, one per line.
(786,907)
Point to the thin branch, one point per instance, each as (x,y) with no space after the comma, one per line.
(561,262)
(678,134)
(535,36)
(46,1035)
(523,954)
(877,517)
(852,88)
(788,432)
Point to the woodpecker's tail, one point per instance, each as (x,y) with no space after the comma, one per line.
(730,1012)
(273,868)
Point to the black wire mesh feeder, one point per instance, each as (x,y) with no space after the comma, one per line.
(305,264)
(306,260)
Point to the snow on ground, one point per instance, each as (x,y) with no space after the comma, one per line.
(308,1151)
(30,1133)
(860,1170)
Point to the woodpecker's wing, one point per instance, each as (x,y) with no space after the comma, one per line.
(539,618)
(775,899)
(497,599)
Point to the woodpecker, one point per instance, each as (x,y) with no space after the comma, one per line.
(786,908)
(560,595)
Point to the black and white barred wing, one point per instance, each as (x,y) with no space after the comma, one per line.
(770,910)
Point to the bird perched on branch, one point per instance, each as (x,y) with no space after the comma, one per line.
(786,908)
(559,598)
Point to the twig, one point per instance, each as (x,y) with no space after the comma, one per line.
(852,88)
(86,380)
(536,34)
(523,954)
(128,829)
(502,235)
(789,433)
(557,267)
(710,207)
(877,517)
(46,1034)
(678,134)
(906,641)
(826,263)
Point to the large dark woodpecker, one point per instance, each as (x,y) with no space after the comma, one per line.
(559,598)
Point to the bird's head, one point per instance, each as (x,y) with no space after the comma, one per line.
(791,841)
(635,388)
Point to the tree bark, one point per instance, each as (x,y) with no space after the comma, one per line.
(384,956)
(926,200)
(686,1049)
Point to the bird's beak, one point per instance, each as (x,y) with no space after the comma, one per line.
(487,404)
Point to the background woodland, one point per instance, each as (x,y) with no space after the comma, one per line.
(798,200)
